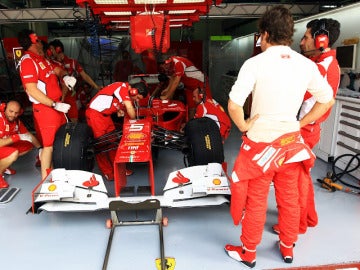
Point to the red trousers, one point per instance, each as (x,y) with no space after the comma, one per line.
(252,195)
(255,167)
(21,146)
(100,125)
(308,216)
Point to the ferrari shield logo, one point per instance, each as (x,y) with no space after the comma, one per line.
(169,263)
(18,53)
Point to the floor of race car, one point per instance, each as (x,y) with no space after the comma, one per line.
(195,237)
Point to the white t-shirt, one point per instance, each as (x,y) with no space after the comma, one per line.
(278,79)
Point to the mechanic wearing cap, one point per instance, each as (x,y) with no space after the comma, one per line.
(15,139)
(73,68)
(181,69)
(208,107)
(316,44)
(42,86)
(272,148)
(116,98)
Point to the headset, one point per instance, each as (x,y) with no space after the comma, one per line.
(321,38)
(49,52)
(133,92)
(33,38)
(58,49)
(202,94)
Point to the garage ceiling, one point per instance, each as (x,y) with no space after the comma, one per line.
(72,14)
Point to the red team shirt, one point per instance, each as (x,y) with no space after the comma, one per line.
(191,77)
(36,69)
(109,99)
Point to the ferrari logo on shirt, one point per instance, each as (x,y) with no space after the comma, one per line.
(287,140)
(42,66)
(281,161)
(7,128)
(18,53)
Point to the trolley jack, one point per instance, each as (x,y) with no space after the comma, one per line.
(150,204)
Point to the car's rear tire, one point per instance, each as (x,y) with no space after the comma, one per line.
(72,147)
(205,142)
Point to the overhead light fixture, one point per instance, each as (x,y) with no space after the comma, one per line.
(178,20)
(175,25)
(149,12)
(186,11)
(329,6)
(111,2)
(117,13)
(149,2)
(187,1)
(121,27)
(124,21)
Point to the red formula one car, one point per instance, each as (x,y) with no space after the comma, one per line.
(157,126)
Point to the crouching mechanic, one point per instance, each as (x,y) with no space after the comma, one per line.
(116,98)
(15,139)
(208,107)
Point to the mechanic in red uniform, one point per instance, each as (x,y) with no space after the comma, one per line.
(210,108)
(42,86)
(60,73)
(74,69)
(116,98)
(272,147)
(182,70)
(316,44)
(15,139)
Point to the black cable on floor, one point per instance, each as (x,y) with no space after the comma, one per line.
(347,170)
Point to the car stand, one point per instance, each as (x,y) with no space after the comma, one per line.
(150,204)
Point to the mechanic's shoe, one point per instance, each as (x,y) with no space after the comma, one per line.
(129,172)
(3,183)
(10,171)
(240,253)
(286,252)
(37,162)
(276,229)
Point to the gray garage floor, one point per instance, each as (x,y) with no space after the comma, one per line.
(195,237)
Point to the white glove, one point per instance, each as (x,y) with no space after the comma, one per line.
(69,81)
(62,107)
(25,137)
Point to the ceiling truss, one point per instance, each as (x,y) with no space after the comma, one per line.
(226,11)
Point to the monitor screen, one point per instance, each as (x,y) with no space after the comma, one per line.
(346,56)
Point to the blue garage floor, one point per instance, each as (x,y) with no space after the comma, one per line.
(195,237)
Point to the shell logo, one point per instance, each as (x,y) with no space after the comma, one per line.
(136,136)
(52,187)
(216,181)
